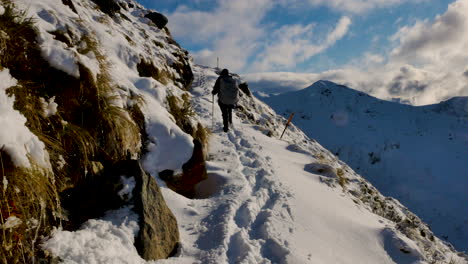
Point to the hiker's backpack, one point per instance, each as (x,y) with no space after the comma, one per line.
(228,91)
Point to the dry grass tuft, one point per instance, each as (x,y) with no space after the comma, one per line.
(75,139)
(342,180)
(29,202)
(18,42)
(122,136)
(147,69)
(182,111)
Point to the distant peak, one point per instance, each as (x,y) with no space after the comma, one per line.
(324,83)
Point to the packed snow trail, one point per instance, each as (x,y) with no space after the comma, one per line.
(237,229)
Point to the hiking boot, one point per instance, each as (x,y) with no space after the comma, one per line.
(226,129)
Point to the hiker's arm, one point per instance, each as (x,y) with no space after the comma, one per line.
(216,88)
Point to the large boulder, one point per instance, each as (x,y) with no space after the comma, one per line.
(158,237)
(158,19)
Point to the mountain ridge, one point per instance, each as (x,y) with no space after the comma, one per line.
(389,139)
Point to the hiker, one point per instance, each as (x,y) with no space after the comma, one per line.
(228,91)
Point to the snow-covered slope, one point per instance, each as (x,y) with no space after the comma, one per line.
(280,201)
(415,154)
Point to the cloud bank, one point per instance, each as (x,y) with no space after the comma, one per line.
(428,63)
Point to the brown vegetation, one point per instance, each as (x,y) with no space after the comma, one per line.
(89,128)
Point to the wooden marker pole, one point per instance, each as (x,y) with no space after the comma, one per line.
(287,124)
(212,112)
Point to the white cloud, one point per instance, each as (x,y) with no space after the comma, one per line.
(340,30)
(230,31)
(293,44)
(430,59)
(358,6)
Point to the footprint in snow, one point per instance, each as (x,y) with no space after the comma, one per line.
(245,143)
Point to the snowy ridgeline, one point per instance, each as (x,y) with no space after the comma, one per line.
(415,154)
(265,201)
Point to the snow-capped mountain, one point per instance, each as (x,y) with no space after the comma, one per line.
(418,155)
(265,200)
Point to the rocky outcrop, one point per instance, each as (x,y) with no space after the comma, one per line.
(194,171)
(109,7)
(244,87)
(158,19)
(158,237)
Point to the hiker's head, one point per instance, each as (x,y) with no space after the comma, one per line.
(225,72)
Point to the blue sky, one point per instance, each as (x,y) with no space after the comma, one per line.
(369,30)
(410,50)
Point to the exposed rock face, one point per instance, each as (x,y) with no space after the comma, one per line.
(159,19)
(109,7)
(194,171)
(184,69)
(159,235)
(244,87)
(91,198)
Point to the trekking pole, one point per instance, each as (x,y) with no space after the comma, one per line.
(287,124)
(212,112)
